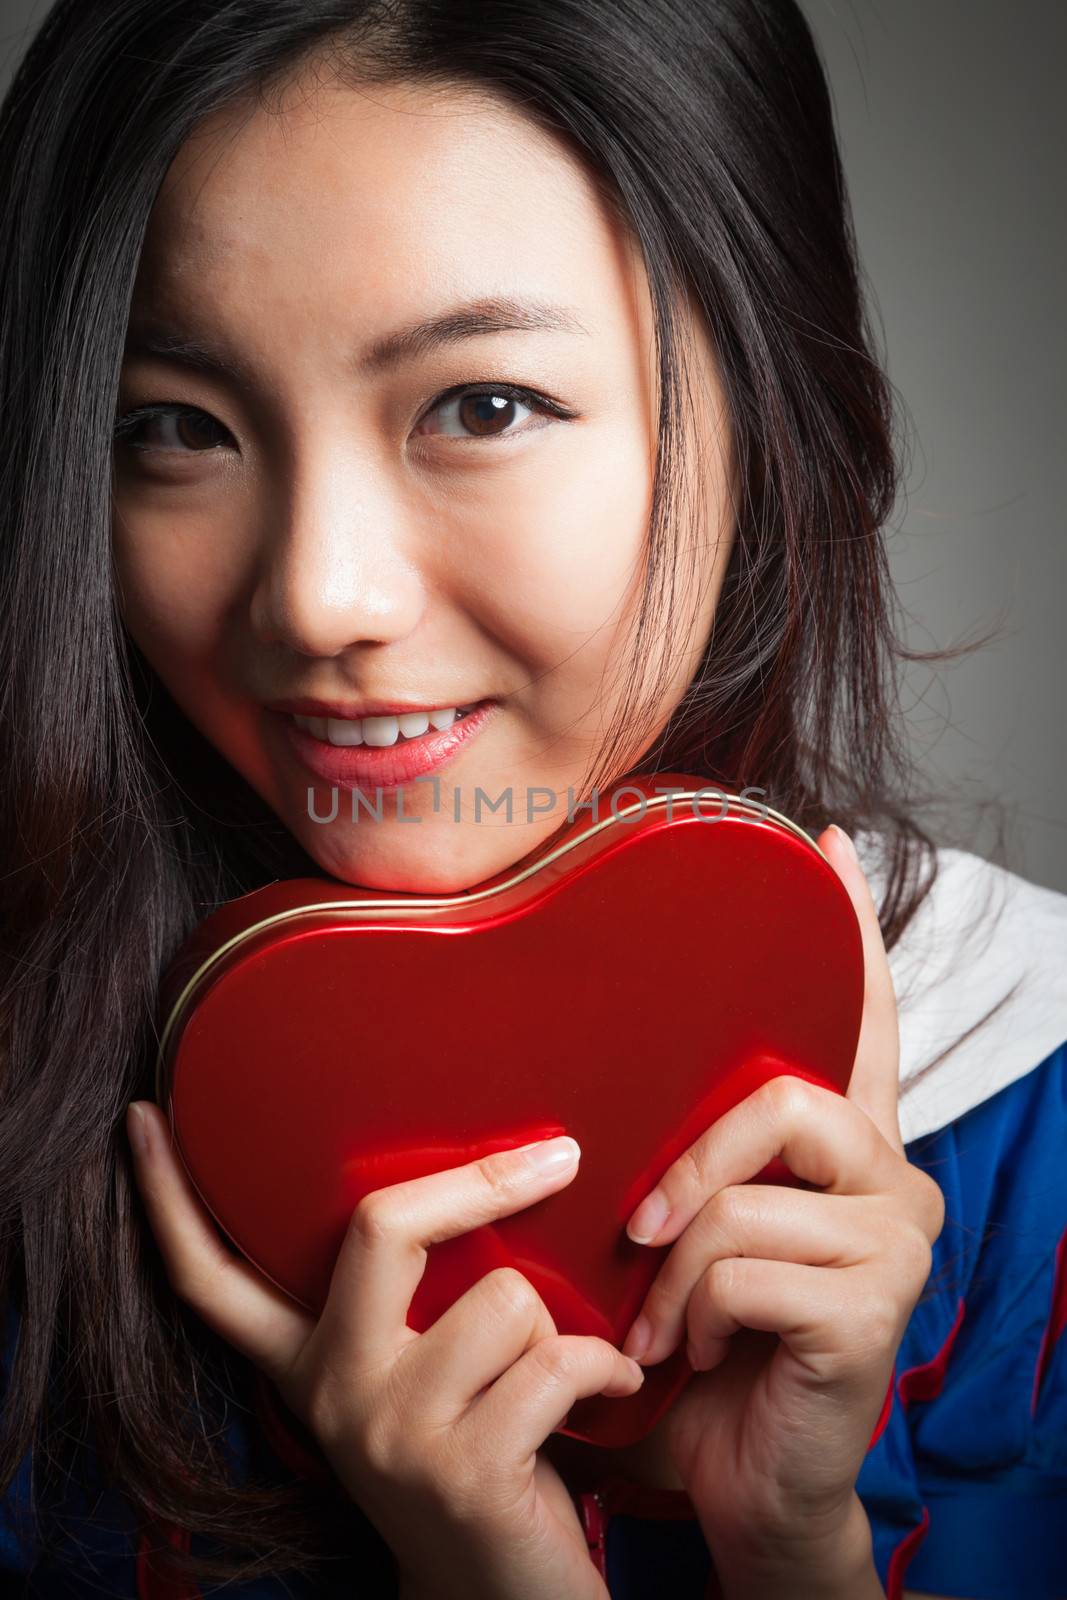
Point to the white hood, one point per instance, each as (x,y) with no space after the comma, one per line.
(979,931)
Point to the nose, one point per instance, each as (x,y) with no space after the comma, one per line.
(333,570)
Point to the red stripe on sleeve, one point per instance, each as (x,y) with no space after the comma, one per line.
(924,1382)
(902,1555)
(1057,1320)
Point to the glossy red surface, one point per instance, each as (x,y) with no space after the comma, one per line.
(628,990)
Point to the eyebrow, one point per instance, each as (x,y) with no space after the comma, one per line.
(148,336)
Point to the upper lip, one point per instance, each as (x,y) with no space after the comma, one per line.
(353,711)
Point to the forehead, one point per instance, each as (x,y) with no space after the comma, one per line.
(377,194)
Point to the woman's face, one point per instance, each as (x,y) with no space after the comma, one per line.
(343,500)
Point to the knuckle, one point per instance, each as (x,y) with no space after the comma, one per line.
(785,1099)
(719,1280)
(727,1208)
(931,1202)
(333,1418)
(322,1412)
(514,1294)
(722,1218)
(374,1219)
(690,1166)
(875,1323)
(502,1173)
(559,1359)
(915,1250)
(383,1458)
(331,1397)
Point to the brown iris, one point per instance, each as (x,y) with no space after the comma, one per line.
(481,413)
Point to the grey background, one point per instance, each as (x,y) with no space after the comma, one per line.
(953,130)
(952,125)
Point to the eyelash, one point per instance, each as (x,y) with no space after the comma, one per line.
(127,424)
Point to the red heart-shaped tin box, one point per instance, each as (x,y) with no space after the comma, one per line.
(626,983)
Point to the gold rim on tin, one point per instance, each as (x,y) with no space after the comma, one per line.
(407,907)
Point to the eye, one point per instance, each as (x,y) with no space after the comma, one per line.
(487,411)
(183,429)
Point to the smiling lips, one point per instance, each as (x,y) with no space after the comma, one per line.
(383,751)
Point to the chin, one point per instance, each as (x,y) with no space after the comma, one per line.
(398,866)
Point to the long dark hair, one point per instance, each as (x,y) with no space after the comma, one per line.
(709,126)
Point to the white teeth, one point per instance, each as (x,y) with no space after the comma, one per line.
(344,732)
(380,731)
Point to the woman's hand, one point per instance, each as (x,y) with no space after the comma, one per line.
(792,1301)
(434,1435)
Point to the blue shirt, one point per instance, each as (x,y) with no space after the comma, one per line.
(966,1487)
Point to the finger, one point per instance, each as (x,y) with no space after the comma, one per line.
(764,1220)
(226,1291)
(474,1342)
(823,1138)
(875,1081)
(533,1397)
(836,1324)
(383,1257)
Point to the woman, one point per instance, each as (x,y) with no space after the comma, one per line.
(502,368)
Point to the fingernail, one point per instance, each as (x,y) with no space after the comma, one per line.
(137,1127)
(649,1217)
(552,1155)
(846,841)
(638,1339)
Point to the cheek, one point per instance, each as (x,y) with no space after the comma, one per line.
(176,591)
(548,567)
(175,580)
(177,583)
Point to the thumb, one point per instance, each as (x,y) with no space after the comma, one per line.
(875,1082)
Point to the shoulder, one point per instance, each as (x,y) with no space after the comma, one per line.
(964,1489)
(980,975)
(1000,1167)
